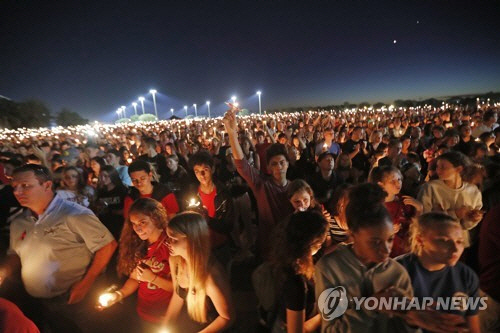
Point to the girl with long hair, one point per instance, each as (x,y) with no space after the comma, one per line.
(144,258)
(110,198)
(199,281)
(74,188)
(293,264)
(403,209)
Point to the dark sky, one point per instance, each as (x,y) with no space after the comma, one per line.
(94,56)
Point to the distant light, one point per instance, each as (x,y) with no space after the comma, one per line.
(134,104)
(395,41)
(141,99)
(208,102)
(152,91)
(123,107)
(259,92)
(118,111)
(194,105)
(185,107)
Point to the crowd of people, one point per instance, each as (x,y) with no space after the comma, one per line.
(384,203)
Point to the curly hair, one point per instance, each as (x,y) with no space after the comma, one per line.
(132,248)
(293,248)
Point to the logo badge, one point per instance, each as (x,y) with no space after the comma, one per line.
(333,302)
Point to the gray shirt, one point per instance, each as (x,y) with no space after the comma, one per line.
(56,249)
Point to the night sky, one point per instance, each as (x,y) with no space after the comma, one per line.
(94,56)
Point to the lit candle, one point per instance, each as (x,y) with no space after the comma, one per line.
(193,203)
(106,298)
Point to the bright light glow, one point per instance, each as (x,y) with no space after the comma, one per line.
(236,105)
(185,107)
(163,330)
(208,102)
(106,299)
(172,110)
(233,99)
(258,93)
(194,105)
(152,91)
(193,203)
(123,107)
(141,99)
(118,111)
(134,104)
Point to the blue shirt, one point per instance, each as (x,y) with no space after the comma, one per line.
(451,281)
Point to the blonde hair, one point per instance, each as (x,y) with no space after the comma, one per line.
(432,220)
(194,227)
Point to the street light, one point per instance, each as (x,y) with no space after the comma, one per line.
(233,99)
(186,109)
(141,99)
(118,113)
(123,110)
(134,104)
(195,110)
(208,105)
(153,92)
(172,110)
(260,105)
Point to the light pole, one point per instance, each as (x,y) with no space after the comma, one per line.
(118,113)
(233,99)
(208,105)
(260,105)
(153,92)
(172,110)
(134,104)
(123,110)
(141,99)
(186,109)
(195,110)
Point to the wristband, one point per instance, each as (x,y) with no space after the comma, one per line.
(120,295)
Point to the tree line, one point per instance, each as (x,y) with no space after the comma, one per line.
(34,113)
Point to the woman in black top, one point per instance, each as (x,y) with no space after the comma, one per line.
(304,234)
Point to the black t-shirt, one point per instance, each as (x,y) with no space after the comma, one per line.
(108,207)
(360,161)
(298,295)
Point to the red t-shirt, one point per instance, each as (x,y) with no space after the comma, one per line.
(169,202)
(208,201)
(152,301)
(401,215)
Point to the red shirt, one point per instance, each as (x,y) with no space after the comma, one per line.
(152,301)
(208,201)
(169,202)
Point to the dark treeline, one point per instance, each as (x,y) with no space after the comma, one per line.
(34,113)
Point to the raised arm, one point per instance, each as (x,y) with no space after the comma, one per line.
(232,130)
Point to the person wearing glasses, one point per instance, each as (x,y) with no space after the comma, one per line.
(60,248)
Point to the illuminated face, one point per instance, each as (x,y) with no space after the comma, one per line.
(144,227)
(392,183)
(317,243)
(446,171)
(203,173)
(278,166)
(300,201)
(96,167)
(141,180)
(374,244)
(443,244)
(70,179)
(177,243)
(172,164)
(28,190)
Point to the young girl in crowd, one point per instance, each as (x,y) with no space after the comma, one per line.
(303,236)
(337,221)
(73,187)
(364,267)
(109,200)
(199,281)
(301,196)
(143,257)
(437,243)
(450,194)
(96,164)
(401,208)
